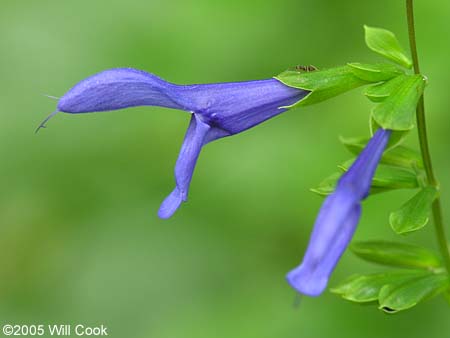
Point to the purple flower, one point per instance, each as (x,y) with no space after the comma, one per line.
(218,110)
(337,220)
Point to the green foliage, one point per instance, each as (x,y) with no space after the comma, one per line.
(323,84)
(327,83)
(366,288)
(397,297)
(396,254)
(379,92)
(396,95)
(397,111)
(414,214)
(394,290)
(385,43)
(375,72)
(399,94)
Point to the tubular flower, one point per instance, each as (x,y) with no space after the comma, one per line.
(218,110)
(337,220)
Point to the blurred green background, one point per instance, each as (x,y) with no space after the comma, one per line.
(80,240)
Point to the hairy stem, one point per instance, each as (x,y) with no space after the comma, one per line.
(424,148)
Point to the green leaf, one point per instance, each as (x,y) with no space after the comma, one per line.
(394,290)
(385,43)
(400,156)
(323,84)
(414,214)
(388,177)
(398,297)
(366,288)
(375,72)
(380,92)
(396,254)
(397,112)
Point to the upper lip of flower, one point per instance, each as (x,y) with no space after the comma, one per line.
(219,110)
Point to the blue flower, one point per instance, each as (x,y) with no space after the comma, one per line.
(337,220)
(218,110)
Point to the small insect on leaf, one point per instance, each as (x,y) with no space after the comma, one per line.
(304,69)
(323,84)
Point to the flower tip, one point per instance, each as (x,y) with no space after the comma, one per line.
(305,282)
(170,204)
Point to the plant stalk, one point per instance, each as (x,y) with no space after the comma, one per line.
(424,147)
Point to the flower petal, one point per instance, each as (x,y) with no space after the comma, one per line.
(332,233)
(197,135)
(359,176)
(337,220)
(119,88)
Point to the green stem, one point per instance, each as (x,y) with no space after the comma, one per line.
(424,148)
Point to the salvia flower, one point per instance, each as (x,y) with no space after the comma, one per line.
(337,220)
(218,110)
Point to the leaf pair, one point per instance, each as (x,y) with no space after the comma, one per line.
(395,290)
(398,97)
